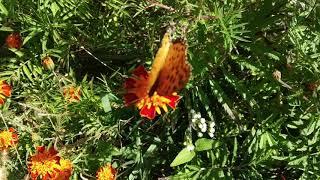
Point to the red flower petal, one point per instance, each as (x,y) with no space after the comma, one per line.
(41,149)
(148,113)
(1,101)
(140,71)
(129,83)
(6,89)
(11,129)
(130,98)
(174,99)
(52,151)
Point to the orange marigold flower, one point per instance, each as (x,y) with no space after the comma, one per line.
(8,138)
(169,73)
(149,106)
(48,63)
(5,91)
(71,94)
(14,40)
(65,170)
(44,164)
(148,103)
(106,173)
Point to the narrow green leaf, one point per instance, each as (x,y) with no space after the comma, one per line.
(316,55)
(184,156)
(4,28)
(235,149)
(26,71)
(3,9)
(17,52)
(30,35)
(300,160)
(262,142)
(270,139)
(280,158)
(309,129)
(240,38)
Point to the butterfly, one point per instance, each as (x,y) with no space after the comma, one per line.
(153,90)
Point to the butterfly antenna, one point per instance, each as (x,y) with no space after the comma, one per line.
(103,63)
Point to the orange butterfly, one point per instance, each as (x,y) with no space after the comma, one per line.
(156,89)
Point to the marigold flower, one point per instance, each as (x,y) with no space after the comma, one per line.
(8,138)
(149,106)
(71,94)
(137,93)
(5,91)
(48,63)
(169,73)
(106,173)
(44,164)
(14,40)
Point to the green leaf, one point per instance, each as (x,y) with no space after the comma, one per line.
(184,156)
(27,72)
(309,129)
(235,149)
(115,151)
(16,51)
(30,35)
(299,160)
(106,103)
(4,28)
(3,9)
(54,8)
(203,144)
(280,158)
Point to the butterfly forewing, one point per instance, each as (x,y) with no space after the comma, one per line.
(176,71)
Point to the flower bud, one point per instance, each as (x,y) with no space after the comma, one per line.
(212,130)
(202,120)
(197,116)
(48,63)
(193,120)
(212,124)
(276,75)
(14,40)
(204,129)
(200,125)
(211,135)
(312,86)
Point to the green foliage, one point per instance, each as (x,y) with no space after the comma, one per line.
(262,128)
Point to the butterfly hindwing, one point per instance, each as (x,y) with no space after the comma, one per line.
(176,71)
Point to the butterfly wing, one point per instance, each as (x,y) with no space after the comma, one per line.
(169,73)
(175,72)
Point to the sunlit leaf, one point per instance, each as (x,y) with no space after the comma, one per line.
(203,144)
(184,156)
